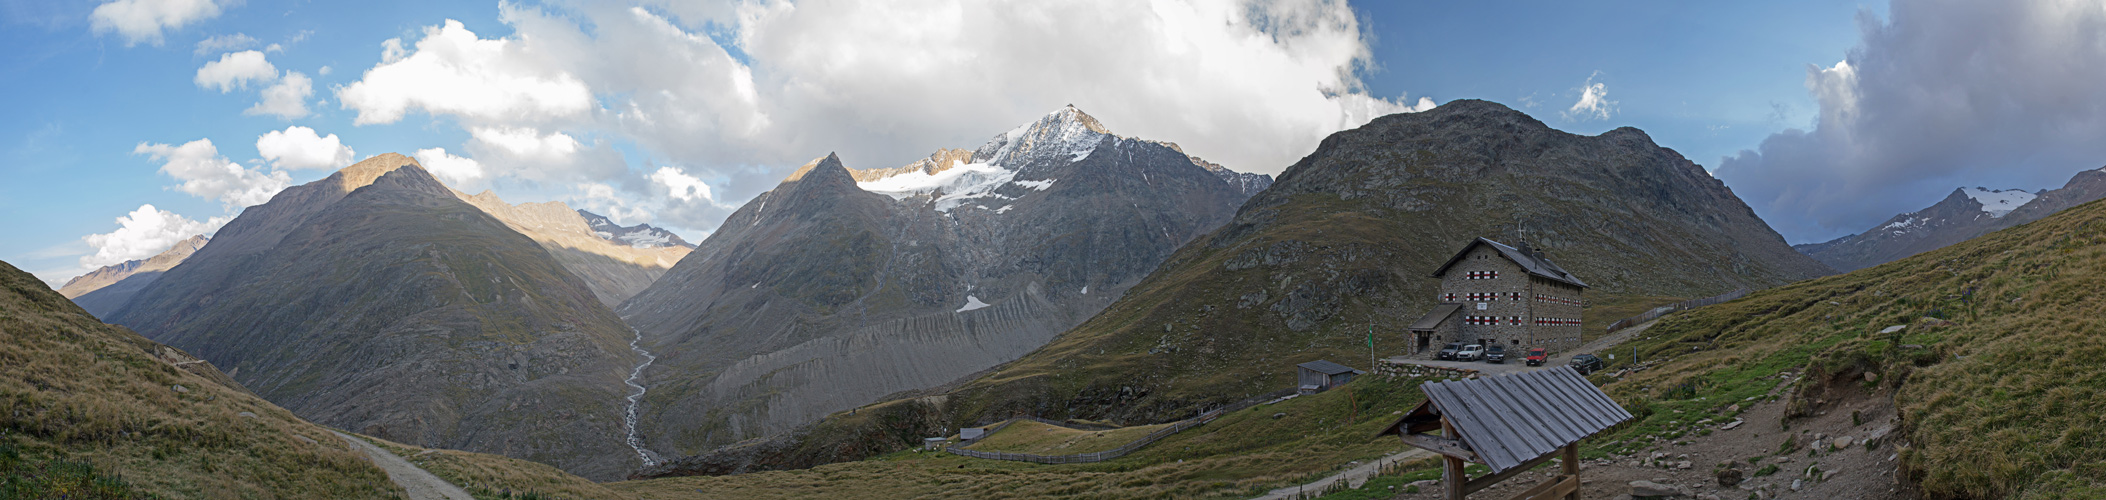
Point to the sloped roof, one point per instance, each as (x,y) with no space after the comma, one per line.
(1327,367)
(1507,420)
(1535,265)
(1433,319)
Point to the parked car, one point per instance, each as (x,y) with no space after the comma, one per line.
(1585,363)
(1472,352)
(1537,356)
(1495,353)
(1448,352)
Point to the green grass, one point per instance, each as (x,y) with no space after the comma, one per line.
(1241,454)
(1995,373)
(25,478)
(1029,436)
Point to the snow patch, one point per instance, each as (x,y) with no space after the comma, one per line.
(1999,202)
(1004,209)
(962,182)
(972,303)
(1085,290)
(647,239)
(1038,185)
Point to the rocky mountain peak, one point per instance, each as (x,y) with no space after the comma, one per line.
(366,171)
(1066,134)
(412,176)
(827,170)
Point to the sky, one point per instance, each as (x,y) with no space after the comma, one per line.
(132,124)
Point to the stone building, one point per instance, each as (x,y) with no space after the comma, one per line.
(1493,293)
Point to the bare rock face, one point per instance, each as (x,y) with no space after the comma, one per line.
(1959,217)
(104,290)
(615,266)
(376,301)
(841,286)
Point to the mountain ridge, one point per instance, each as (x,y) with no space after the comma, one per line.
(1958,217)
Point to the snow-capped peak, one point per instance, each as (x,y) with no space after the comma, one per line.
(1999,202)
(1067,132)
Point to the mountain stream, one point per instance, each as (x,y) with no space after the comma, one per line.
(629,420)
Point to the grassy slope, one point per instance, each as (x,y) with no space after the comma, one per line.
(78,391)
(1242,454)
(1031,436)
(2005,401)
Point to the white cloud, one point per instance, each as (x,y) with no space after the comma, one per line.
(235,70)
(1941,94)
(454,73)
(455,170)
(882,84)
(682,187)
(299,147)
(287,99)
(1593,103)
(143,233)
(205,174)
(142,20)
(224,43)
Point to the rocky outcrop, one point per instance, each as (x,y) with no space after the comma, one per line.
(1959,217)
(841,286)
(615,268)
(377,301)
(104,290)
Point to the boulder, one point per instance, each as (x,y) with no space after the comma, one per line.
(1729,477)
(1649,489)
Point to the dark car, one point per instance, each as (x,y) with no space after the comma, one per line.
(1495,354)
(1536,356)
(1585,363)
(1449,352)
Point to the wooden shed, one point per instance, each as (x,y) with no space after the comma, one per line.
(1510,423)
(1320,375)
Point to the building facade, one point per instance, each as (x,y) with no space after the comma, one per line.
(1493,293)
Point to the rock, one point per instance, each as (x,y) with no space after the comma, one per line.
(1733,409)
(1729,477)
(1878,433)
(1798,483)
(245,415)
(1841,442)
(1892,329)
(303,439)
(1871,377)
(1707,496)
(1730,425)
(1645,489)
(1685,464)
(180,389)
(1278,415)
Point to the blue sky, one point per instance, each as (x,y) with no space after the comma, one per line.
(675,112)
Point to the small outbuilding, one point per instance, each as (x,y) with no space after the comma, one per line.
(971,433)
(1510,423)
(934,443)
(1320,375)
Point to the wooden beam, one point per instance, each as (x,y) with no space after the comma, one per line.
(1445,446)
(1556,487)
(1452,475)
(1571,469)
(1488,481)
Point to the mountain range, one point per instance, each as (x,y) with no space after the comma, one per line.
(1963,215)
(1335,255)
(841,286)
(103,290)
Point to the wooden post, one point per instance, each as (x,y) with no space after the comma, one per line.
(1452,477)
(1571,467)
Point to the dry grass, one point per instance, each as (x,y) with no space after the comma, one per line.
(1244,453)
(80,391)
(1031,436)
(492,477)
(1996,371)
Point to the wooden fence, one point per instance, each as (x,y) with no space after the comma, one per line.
(1122,450)
(1663,310)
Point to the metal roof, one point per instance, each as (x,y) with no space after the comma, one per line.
(1433,319)
(1507,420)
(1327,367)
(1528,261)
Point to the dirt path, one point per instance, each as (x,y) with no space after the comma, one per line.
(1353,477)
(420,484)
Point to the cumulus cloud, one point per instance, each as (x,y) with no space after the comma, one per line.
(287,99)
(224,43)
(299,147)
(143,20)
(1593,102)
(143,233)
(206,174)
(1253,84)
(455,170)
(234,70)
(453,72)
(1941,94)
(681,186)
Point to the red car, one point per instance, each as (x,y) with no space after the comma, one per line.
(1537,355)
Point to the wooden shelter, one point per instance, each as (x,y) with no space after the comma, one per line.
(1510,423)
(1321,375)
